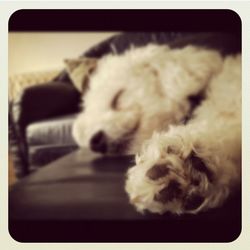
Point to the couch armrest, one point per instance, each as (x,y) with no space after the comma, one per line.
(44,101)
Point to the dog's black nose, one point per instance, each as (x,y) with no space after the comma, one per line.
(98,142)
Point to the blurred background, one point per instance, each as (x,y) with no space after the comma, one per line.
(38,57)
(38,51)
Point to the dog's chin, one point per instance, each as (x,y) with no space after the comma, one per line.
(119,147)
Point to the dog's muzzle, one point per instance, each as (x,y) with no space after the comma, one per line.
(98,142)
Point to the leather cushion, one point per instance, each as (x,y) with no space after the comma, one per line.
(44,154)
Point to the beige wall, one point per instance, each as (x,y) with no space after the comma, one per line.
(38,51)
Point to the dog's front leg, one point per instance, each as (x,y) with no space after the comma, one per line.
(174,173)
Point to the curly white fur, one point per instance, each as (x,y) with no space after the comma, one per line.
(214,134)
(150,87)
(156,82)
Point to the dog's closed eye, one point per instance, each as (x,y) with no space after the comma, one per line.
(115,101)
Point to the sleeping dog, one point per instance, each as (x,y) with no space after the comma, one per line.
(188,158)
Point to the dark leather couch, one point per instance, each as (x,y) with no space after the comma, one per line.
(81,198)
(40,120)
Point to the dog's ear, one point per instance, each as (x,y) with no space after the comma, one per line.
(79,71)
(201,63)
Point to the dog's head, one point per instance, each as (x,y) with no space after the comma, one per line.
(126,99)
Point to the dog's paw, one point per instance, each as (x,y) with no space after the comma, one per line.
(169,176)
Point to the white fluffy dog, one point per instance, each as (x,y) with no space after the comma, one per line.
(137,102)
